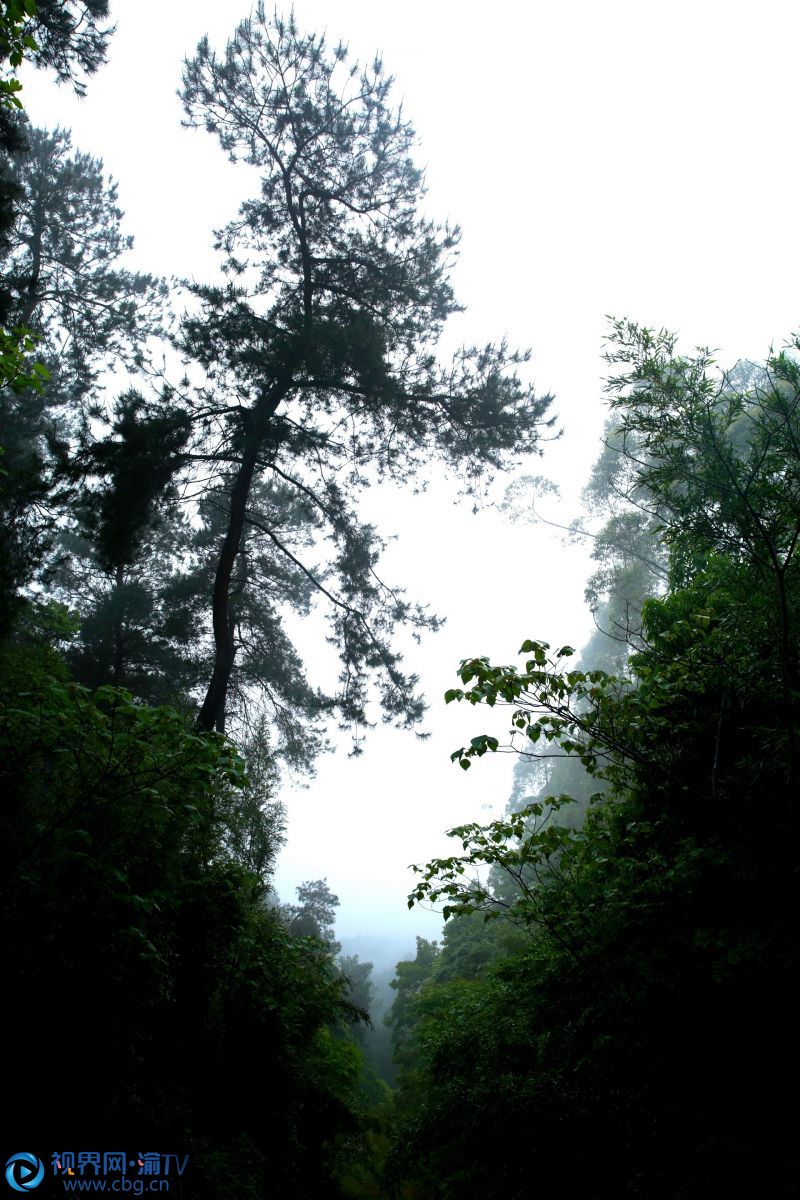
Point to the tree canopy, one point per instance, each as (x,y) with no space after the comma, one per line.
(319,353)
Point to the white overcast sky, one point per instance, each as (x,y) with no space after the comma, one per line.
(630,158)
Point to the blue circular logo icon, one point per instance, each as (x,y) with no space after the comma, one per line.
(24,1172)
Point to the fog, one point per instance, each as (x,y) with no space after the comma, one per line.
(626,159)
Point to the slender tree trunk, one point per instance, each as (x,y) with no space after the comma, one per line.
(212,712)
(118,659)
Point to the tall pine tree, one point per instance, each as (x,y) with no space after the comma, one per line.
(319,354)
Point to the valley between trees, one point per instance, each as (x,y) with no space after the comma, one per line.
(610,1010)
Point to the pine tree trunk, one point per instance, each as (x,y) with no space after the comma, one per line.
(212,713)
(118,657)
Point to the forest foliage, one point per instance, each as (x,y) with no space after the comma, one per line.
(610,1010)
(637,1029)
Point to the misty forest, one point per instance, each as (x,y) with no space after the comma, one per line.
(184,481)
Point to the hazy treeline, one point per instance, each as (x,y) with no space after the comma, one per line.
(610,1009)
